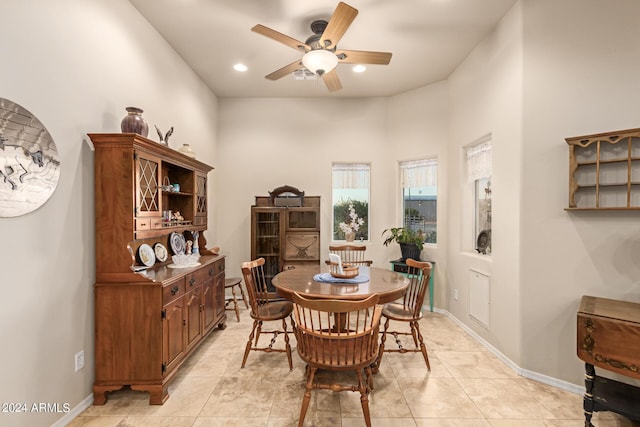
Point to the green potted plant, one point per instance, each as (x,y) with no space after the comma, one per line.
(411,242)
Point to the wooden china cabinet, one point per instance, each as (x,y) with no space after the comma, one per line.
(285,230)
(149,316)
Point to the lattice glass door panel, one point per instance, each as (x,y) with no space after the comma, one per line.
(201,195)
(148,188)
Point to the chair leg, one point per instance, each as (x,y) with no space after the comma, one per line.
(235,303)
(311,372)
(286,343)
(369,375)
(247,348)
(415,327)
(258,332)
(364,398)
(382,341)
(243,297)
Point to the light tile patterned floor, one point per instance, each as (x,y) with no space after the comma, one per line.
(467,387)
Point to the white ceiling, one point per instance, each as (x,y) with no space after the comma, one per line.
(428,39)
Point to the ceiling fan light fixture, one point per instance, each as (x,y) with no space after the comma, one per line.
(319,61)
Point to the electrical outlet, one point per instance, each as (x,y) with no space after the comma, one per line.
(79,359)
(455,294)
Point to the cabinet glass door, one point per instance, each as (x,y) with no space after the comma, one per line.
(268,234)
(302,219)
(147,183)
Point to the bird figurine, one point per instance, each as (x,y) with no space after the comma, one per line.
(164,139)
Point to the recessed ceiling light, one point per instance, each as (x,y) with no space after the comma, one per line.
(240,67)
(359,68)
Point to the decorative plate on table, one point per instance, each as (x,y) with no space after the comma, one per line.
(161,252)
(146,255)
(178,243)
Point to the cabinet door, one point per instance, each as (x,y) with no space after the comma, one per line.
(209,303)
(267,233)
(200,217)
(173,339)
(193,321)
(220,296)
(147,188)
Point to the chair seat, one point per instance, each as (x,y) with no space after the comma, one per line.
(231,282)
(274,310)
(397,311)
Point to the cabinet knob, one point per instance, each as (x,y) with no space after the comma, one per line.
(175,290)
(192,281)
(211,272)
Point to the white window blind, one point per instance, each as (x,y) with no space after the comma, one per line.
(419,173)
(351,175)
(479,161)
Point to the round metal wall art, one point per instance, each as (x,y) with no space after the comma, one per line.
(29,165)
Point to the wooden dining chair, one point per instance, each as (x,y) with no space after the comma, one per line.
(351,254)
(337,335)
(265,309)
(408,310)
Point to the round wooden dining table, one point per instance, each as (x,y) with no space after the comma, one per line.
(389,285)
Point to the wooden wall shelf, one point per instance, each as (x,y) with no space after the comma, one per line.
(604,171)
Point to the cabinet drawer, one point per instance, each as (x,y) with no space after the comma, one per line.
(172,291)
(206,273)
(143,224)
(190,281)
(156,223)
(218,266)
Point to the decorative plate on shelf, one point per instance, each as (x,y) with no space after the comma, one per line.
(161,252)
(483,241)
(146,255)
(178,243)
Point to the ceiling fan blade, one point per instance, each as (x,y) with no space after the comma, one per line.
(287,69)
(279,37)
(363,57)
(332,81)
(342,17)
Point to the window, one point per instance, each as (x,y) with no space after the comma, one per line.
(479,169)
(351,197)
(419,182)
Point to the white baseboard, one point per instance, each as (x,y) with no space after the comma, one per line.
(545,379)
(72,414)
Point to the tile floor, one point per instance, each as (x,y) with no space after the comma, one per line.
(467,387)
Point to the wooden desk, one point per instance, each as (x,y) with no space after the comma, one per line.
(387,284)
(609,337)
(401,267)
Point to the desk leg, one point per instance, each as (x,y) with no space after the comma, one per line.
(589,377)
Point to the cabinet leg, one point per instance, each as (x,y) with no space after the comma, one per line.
(100,393)
(158,394)
(589,377)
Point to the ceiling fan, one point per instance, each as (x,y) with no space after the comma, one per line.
(321,54)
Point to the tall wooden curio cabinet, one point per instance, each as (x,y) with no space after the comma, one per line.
(150,314)
(285,230)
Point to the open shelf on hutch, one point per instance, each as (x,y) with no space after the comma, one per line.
(604,171)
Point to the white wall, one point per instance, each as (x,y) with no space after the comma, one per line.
(582,62)
(486,99)
(418,128)
(266,143)
(75,65)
